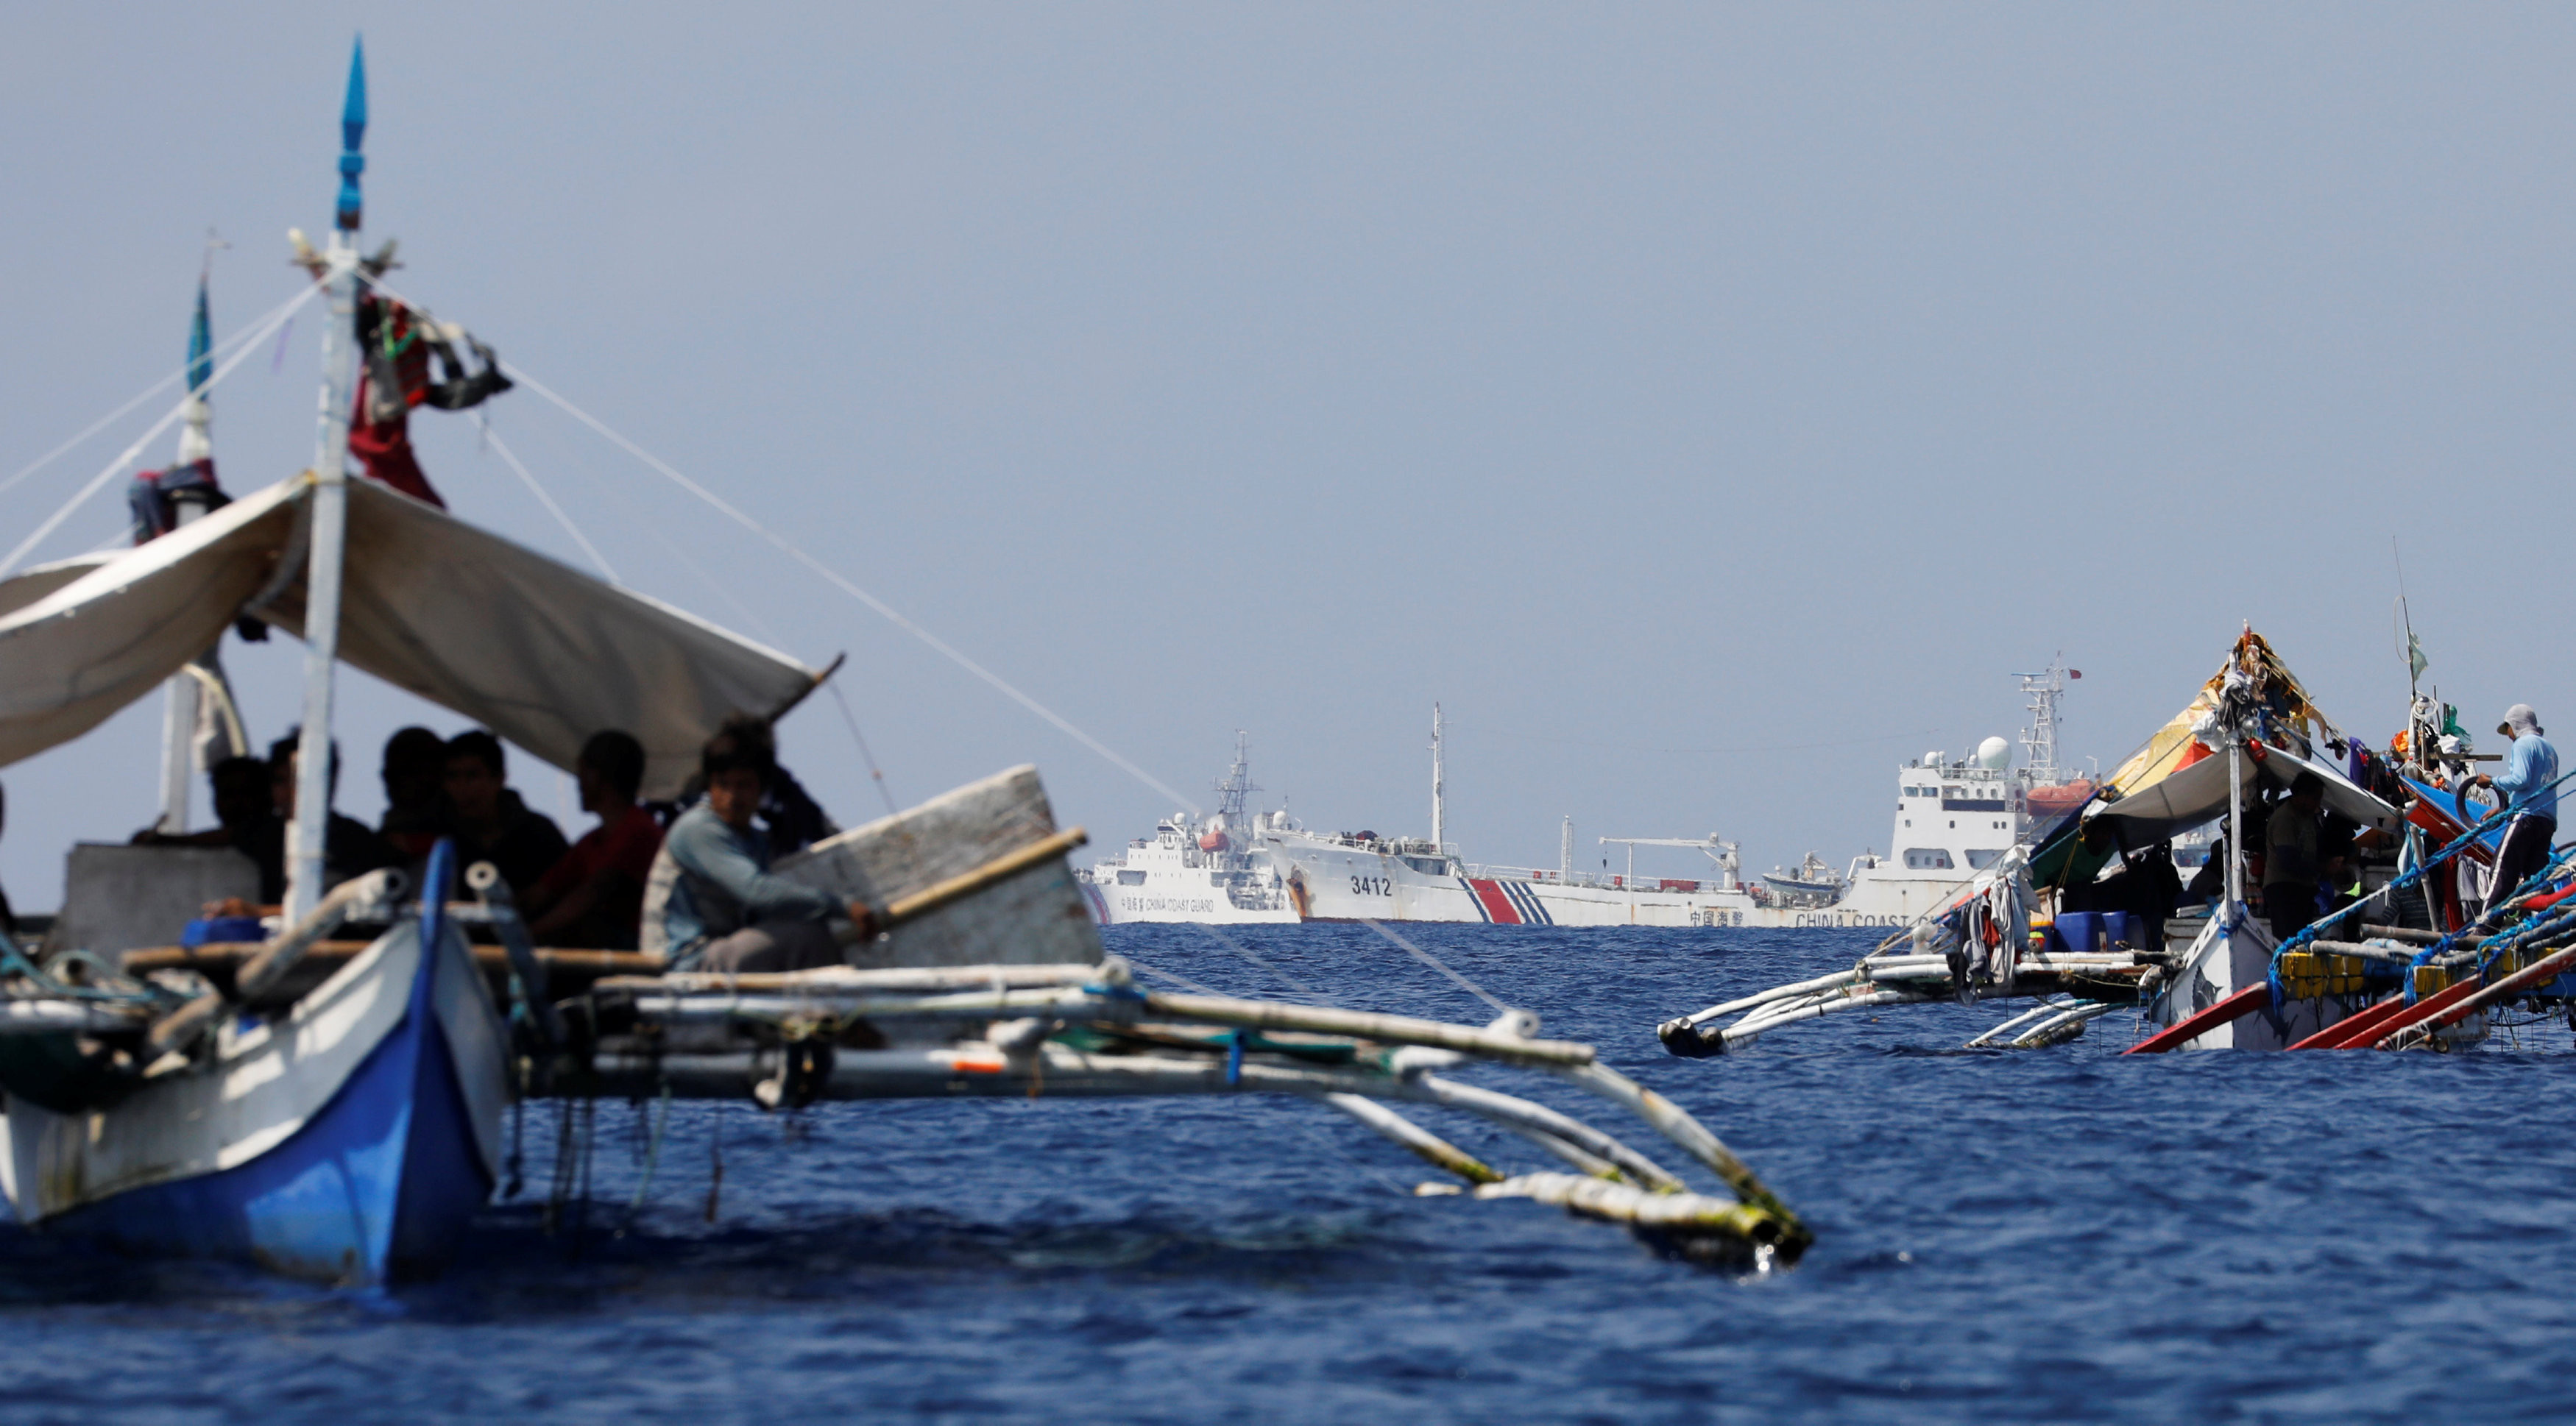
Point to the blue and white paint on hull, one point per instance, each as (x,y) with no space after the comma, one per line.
(348,1139)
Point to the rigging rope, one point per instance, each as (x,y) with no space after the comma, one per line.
(826,572)
(757,625)
(502,449)
(875,773)
(837,580)
(1246,952)
(126,457)
(254,330)
(1432,961)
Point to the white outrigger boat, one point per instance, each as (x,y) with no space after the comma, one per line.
(329,1098)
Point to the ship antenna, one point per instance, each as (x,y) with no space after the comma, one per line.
(1439,793)
(2413,653)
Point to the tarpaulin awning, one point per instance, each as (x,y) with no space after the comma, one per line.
(540,653)
(2175,781)
(2197,794)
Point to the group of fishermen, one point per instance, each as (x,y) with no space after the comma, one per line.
(689,879)
(2311,858)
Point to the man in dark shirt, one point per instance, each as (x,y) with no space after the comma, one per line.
(2294,858)
(595,895)
(490,821)
(415,773)
(246,821)
(349,847)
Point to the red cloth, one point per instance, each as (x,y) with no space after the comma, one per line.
(385,447)
(625,845)
(386,451)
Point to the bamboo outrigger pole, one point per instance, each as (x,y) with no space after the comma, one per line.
(1085,1030)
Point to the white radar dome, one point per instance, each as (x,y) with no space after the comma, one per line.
(1994,754)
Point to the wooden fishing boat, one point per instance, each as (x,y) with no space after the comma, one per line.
(332,1104)
(2400,966)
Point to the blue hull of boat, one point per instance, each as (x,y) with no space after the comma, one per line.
(378,1186)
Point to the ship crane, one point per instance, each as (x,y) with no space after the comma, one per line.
(1719,851)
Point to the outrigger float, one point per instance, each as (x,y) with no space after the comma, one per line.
(2056,922)
(329,1097)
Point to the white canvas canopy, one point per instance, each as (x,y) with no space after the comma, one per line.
(2197,794)
(539,653)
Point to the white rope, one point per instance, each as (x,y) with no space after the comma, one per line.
(146,394)
(1433,961)
(125,458)
(834,577)
(716,587)
(953,654)
(501,448)
(1246,952)
(851,721)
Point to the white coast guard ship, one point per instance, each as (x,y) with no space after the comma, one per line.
(1200,870)
(1954,817)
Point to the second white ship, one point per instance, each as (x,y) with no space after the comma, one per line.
(1954,817)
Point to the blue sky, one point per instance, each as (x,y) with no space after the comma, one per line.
(1710,406)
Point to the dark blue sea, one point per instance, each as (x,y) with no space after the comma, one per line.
(2018,1236)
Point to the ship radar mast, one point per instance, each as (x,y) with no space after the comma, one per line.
(1236,789)
(2039,740)
(1439,792)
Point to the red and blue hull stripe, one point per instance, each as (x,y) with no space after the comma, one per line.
(1505,903)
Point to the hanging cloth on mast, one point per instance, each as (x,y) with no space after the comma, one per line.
(397,344)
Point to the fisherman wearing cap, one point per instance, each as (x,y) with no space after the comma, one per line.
(2530,771)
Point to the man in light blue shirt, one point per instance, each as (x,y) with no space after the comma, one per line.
(2530,772)
(712,903)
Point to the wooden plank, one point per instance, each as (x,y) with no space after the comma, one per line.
(228,955)
(2235,1007)
(2435,1013)
(2424,1009)
(569,970)
(1035,917)
(2340,1034)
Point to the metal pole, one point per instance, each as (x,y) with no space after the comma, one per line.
(305,832)
(2235,825)
(1439,831)
(181,695)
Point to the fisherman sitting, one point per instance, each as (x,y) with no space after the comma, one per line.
(2530,772)
(246,821)
(594,897)
(2210,882)
(491,822)
(349,848)
(712,903)
(414,772)
(2294,861)
(789,815)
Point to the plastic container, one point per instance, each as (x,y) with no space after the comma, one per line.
(2118,928)
(2080,932)
(221,930)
